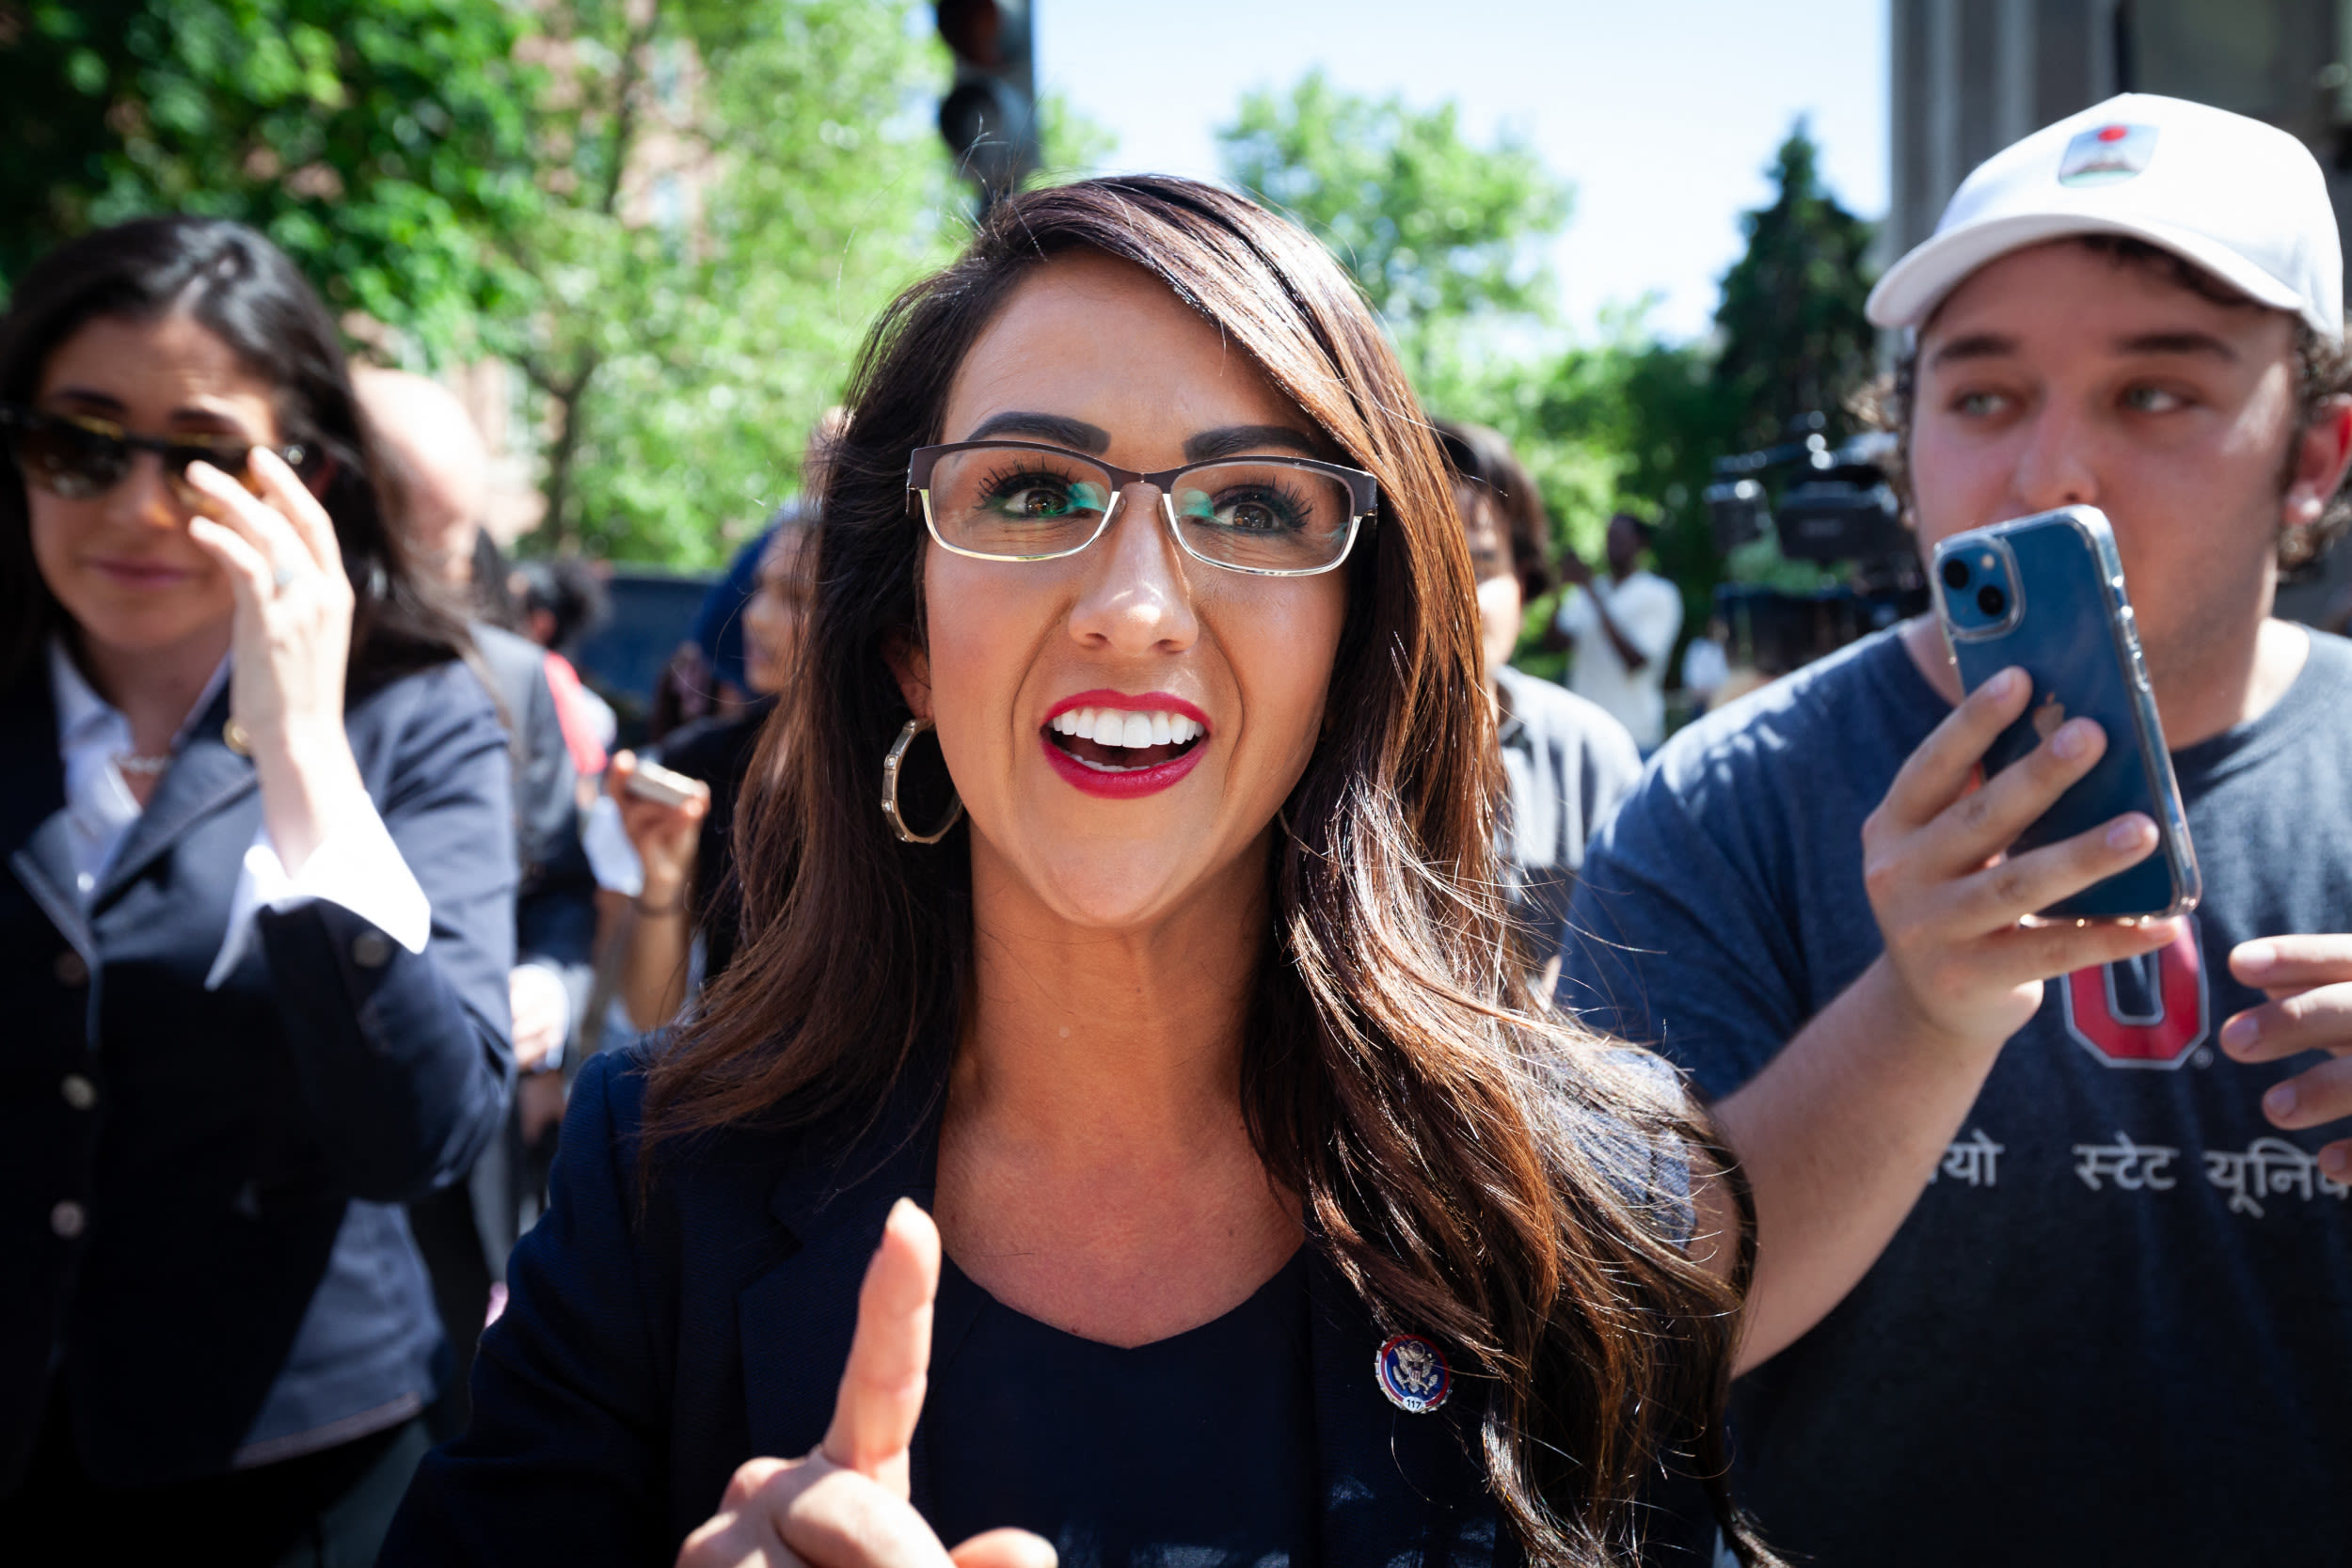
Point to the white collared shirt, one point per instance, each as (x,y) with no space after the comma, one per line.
(358,866)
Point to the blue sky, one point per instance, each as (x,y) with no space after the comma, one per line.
(1663,115)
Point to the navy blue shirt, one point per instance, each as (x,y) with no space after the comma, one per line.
(1193,1451)
(2117,1326)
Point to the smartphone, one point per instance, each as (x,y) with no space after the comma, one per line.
(650,781)
(2045,593)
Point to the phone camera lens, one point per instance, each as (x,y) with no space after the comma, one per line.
(1955,575)
(1992,600)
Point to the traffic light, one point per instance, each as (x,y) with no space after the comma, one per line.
(989,117)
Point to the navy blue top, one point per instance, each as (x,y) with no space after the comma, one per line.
(659,1334)
(1198,1448)
(655,1340)
(201,1188)
(2121,1289)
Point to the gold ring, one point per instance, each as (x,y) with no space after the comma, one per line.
(234,737)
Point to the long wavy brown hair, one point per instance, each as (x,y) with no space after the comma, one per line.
(1470,1165)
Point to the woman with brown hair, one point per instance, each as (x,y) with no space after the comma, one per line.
(1279,1224)
(256,917)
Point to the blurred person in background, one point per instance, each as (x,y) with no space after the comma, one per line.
(1481,454)
(256,925)
(1621,627)
(561,601)
(685,853)
(438,472)
(2066,1200)
(717,634)
(1706,666)
(1566,761)
(1275,1224)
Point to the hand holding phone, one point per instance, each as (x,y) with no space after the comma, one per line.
(2046,594)
(1964,963)
(661,812)
(650,781)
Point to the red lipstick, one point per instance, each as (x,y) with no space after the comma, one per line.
(1133,782)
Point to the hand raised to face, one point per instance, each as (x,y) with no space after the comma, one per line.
(289,642)
(845,1505)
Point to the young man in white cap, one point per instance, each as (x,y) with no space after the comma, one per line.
(2054,1252)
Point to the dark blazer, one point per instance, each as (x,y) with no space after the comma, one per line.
(648,1349)
(200,1190)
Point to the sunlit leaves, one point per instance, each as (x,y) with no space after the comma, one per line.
(1447,240)
(376,140)
(1440,233)
(702,327)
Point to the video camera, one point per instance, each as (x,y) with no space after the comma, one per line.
(1836,506)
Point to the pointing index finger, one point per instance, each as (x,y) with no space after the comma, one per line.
(883,1385)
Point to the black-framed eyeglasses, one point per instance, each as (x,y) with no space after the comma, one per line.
(76,456)
(1021,500)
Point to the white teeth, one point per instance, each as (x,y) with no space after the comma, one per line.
(1107,727)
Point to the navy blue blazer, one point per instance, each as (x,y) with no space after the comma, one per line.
(648,1349)
(200,1190)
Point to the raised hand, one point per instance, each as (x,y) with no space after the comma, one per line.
(845,1505)
(663,835)
(1951,905)
(2309,982)
(290,644)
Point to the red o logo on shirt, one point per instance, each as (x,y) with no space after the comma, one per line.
(2149,1011)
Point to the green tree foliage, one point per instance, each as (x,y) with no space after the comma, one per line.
(1448,241)
(1794,336)
(731,194)
(675,217)
(372,139)
(1070,145)
(1445,238)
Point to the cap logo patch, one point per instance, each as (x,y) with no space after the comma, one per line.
(2107,154)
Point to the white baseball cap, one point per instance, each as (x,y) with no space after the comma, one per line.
(2242,199)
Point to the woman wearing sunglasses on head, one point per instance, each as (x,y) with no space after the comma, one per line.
(255,928)
(1274,1223)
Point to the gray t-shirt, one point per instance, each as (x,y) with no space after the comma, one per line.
(1568,763)
(2117,1326)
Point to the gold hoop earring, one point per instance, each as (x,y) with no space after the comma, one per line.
(891,765)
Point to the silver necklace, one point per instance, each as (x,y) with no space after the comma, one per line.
(146,767)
